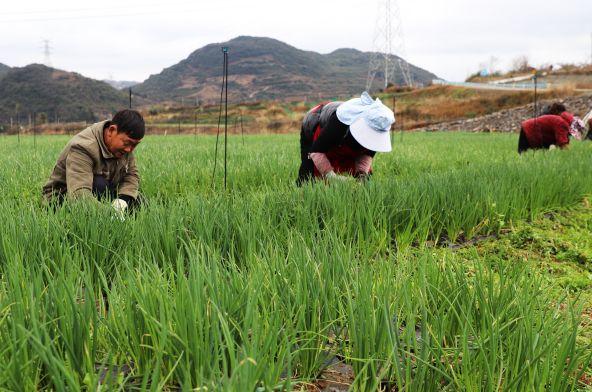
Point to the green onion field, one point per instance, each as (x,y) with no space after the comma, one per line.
(425,278)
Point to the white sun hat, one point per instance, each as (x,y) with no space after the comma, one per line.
(369,122)
(577,128)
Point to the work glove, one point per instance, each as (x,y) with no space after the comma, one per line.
(552,147)
(362,177)
(120,206)
(332,176)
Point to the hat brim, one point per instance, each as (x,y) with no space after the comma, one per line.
(368,137)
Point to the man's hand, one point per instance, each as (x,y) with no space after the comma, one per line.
(120,206)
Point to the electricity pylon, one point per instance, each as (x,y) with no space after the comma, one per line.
(388,47)
(46,53)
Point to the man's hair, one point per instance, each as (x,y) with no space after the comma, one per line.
(556,108)
(130,122)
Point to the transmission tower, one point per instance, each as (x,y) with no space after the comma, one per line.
(46,53)
(388,51)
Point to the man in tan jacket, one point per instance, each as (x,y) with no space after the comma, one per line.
(98,162)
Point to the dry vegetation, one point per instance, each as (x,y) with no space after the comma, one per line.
(413,109)
(436,104)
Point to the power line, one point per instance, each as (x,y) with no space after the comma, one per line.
(78,17)
(94,9)
(91,13)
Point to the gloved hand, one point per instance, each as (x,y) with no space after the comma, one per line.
(332,176)
(552,147)
(362,177)
(120,206)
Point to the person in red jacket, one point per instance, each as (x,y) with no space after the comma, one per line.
(543,132)
(577,127)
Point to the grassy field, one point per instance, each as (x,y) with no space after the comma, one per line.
(263,285)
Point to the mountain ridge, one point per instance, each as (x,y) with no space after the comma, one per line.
(265,68)
(50,94)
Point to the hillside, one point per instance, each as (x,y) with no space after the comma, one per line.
(265,68)
(51,93)
(508,120)
(3,70)
(433,105)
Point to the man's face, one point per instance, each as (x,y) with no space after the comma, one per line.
(119,143)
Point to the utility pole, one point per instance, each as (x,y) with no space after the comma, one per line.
(34,132)
(195,123)
(225,51)
(388,47)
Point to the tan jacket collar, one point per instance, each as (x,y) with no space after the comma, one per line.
(98,132)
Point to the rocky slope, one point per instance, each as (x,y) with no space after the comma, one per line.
(509,120)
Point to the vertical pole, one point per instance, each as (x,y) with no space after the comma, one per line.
(591,48)
(219,122)
(130,97)
(179,127)
(395,113)
(34,133)
(535,96)
(389,48)
(242,128)
(225,50)
(195,123)
(535,99)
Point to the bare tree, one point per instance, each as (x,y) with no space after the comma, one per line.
(521,64)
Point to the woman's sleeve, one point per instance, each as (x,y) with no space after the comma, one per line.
(321,162)
(363,164)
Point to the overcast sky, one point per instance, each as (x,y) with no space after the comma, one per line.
(129,40)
